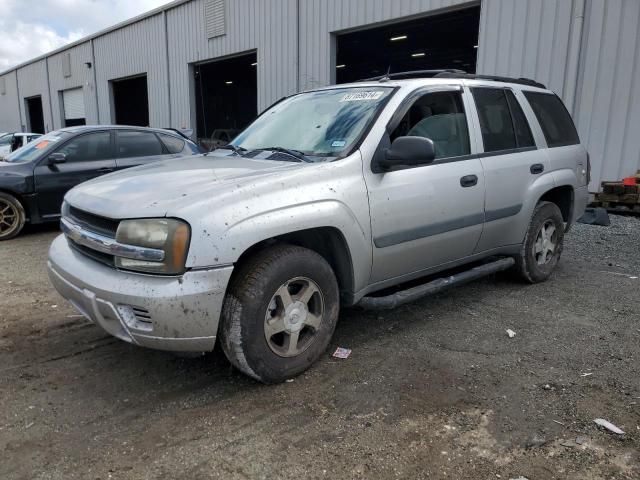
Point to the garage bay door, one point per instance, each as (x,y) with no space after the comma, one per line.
(73,105)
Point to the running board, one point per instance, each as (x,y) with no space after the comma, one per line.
(434,286)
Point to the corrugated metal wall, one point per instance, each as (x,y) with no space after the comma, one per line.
(532,39)
(32,80)
(9,115)
(321,19)
(132,50)
(268,26)
(81,76)
(608,101)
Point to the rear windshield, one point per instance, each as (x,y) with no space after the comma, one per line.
(555,121)
(40,146)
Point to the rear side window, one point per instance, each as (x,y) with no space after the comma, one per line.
(495,119)
(555,121)
(138,144)
(524,138)
(173,144)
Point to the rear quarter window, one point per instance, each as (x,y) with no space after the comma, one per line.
(554,119)
(173,144)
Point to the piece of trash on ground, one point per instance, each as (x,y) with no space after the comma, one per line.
(289,380)
(342,352)
(608,425)
(586,374)
(580,440)
(511,333)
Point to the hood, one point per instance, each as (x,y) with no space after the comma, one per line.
(153,190)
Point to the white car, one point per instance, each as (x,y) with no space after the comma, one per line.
(13,141)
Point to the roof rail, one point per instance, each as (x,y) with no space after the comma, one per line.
(495,78)
(414,74)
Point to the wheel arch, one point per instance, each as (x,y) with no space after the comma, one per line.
(23,202)
(328,242)
(564,197)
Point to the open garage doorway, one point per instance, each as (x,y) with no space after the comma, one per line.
(447,40)
(35,115)
(130,101)
(226,98)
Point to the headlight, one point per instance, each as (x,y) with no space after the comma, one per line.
(167,234)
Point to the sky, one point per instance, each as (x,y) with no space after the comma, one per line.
(33,27)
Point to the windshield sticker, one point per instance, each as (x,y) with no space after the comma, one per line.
(360,96)
(339,143)
(42,144)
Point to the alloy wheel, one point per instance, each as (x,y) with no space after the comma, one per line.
(293,317)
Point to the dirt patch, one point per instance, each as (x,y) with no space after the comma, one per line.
(435,389)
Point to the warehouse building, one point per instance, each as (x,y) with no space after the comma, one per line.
(212,65)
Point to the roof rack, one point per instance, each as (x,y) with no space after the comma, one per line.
(414,74)
(453,73)
(495,78)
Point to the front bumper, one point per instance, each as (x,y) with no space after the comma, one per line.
(165,313)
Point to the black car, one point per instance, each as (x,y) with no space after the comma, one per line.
(35,178)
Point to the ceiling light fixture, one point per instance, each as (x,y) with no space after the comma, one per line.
(419,54)
(475,46)
(229,82)
(342,65)
(399,37)
(254,64)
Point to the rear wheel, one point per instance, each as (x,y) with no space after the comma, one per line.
(279,313)
(543,244)
(12,216)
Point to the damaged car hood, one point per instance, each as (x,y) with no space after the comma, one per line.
(155,189)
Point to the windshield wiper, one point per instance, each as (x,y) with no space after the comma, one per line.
(229,146)
(292,153)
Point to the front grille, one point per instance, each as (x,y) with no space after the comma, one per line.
(94,223)
(93,254)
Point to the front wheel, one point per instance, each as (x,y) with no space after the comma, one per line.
(542,245)
(12,216)
(279,313)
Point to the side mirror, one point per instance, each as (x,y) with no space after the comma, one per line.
(57,157)
(407,151)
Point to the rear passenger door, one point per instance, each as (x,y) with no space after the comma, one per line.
(138,147)
(511,164)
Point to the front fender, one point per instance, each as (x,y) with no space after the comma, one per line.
(229,245)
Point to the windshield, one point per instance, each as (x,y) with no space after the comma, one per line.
(37,147)
(6,139)
(325,123)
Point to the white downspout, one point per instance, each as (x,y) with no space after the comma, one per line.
(573,57)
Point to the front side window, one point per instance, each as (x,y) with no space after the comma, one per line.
(88,148)
(554,119)
(138,144)
(322,125)
(440,117)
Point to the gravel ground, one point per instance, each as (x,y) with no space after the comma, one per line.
(435,389)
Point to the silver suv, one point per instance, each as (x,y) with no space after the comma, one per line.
(328,199)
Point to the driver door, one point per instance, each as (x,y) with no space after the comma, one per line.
(87,156)
(427,215)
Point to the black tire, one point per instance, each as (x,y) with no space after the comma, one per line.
(252,303)
(531,266)
(12,216)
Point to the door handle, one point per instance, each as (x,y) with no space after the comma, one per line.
(469,180)
(536,168)
(105,170)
